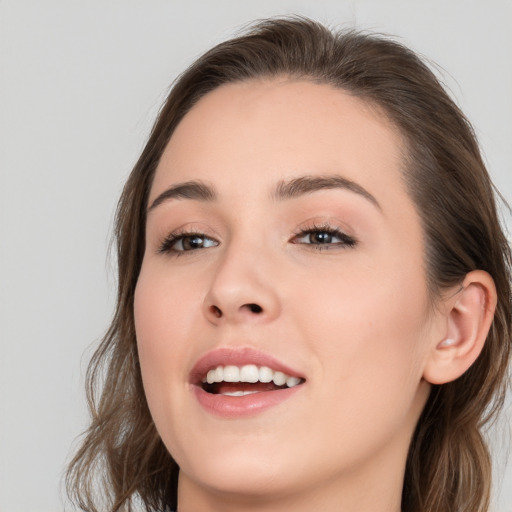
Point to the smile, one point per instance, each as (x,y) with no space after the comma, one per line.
(239,382)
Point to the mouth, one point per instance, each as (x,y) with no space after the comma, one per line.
(242,382)
(245,380)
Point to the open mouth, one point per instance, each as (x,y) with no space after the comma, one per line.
(244,380)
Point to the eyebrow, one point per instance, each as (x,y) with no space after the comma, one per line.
(186,190)
(296,187)
(307,184)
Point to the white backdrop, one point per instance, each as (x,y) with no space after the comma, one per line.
(80,84)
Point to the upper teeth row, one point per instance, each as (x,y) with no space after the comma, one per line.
(250,373)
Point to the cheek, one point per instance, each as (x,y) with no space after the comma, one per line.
(154,315)
(370,345)
(370,325)
(162,325)
(163,306)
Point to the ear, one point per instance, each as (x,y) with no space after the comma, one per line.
(468,317)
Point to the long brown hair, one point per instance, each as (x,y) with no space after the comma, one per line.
(122,460)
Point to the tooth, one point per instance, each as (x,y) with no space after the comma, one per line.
(249,373)
(279,378)
(265,374)
(239,393)
(292,381)
(219,374)
(231,374)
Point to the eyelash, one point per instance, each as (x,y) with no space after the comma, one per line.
(172,238)
(346,241)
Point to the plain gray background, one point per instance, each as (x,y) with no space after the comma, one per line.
(80,84)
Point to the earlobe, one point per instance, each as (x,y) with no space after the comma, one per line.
(469,315)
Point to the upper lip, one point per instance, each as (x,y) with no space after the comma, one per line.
(239,356)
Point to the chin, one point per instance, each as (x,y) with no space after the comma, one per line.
(240,471)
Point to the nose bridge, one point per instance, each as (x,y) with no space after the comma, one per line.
(242,288)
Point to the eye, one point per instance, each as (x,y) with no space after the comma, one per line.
(183,242)
(323,237)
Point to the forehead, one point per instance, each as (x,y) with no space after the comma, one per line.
(252,134)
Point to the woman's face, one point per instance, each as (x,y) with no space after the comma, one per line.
(281,238)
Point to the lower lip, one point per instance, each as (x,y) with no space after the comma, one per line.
(242,406)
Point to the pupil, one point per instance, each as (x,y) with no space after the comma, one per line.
(322,237)
(194,242)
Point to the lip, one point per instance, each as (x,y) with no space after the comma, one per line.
(239,406)
(237,357)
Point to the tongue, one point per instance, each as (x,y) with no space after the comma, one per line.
(232,387)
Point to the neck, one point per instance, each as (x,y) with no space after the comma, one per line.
(375,489)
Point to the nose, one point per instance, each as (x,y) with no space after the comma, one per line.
(241,290)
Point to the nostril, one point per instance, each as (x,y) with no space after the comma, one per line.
(255,308)
(216,311)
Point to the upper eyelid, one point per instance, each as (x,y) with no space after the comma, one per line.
(173,237)
(190,229)
(347,238)
(322,227)
(312,226)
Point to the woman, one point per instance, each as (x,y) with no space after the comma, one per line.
(314,291)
